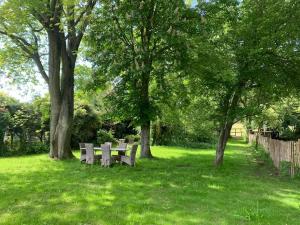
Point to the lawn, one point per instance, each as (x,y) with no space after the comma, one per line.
(180,187)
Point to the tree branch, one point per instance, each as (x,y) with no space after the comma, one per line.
(82,17)
(29,50)
(37,59)
(122,35)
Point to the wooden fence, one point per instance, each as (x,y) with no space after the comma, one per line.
(288,151)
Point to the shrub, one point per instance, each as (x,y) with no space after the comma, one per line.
(104,136)
(35,148)
(132,138)
(25,149)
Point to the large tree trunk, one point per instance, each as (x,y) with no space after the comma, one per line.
(64,131)
(145,109)
(54,88)
(61,125)
(145,141)
(67,107)
(223,138)
(61,89)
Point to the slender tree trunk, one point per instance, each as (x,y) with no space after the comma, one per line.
(231,102)
(145,141)
(223,138)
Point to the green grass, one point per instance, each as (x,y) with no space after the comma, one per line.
(180,187)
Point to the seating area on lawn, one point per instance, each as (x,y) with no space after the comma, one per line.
(89,153)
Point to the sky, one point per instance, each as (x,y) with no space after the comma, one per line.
(22,92)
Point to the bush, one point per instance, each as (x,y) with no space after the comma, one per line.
(104,136)
(35,148)
(132,138)
(177,135)
(26,149)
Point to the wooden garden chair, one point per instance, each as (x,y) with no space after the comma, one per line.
(130,160)
(82,152)
(91,158)
(122,153)
(107,159)
(108,143)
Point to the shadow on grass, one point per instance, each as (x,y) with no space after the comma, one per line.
(181,189)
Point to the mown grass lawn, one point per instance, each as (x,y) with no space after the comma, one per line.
(180,187)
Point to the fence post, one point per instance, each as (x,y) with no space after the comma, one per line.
(292,159)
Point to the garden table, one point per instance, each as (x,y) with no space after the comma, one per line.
(121,151)
(112,149)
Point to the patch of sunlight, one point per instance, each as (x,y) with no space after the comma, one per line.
(23,204)
(51,215)
(237,144)
(211,177)
(135,218)
(174,185)
(6,217)
(215,187)
(288,199)
(177,217)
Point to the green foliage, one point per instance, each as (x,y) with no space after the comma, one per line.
(4,122)
(262,157)
(136,45)
(185,123)
(285,168)
(86,122)
(104,136)
(282,116)
(132,138)
(24,126)
(177,135)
